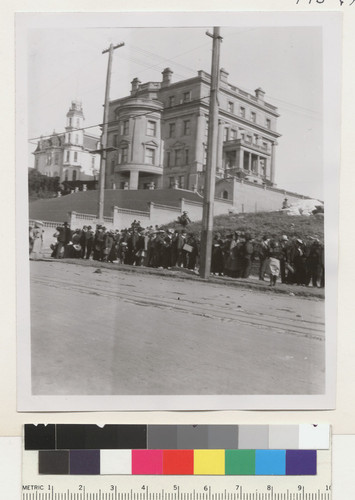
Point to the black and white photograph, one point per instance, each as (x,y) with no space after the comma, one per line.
(178,178)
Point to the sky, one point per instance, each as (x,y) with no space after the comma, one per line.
(66,63)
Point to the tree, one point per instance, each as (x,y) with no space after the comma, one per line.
(41,186)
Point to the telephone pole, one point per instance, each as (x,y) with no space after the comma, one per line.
(210,176)
(100,212)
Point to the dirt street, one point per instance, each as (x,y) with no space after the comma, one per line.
(117,332)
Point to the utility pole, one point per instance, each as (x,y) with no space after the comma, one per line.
(210,176)
(100,212)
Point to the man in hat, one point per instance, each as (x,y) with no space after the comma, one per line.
(62,239)
(264,249)
(299,262)
(76,247)
(247,253)
(285,204)
(285,258)
(67,240)
(181,255)
(89,242)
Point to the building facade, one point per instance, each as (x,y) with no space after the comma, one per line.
(158,134)
(70,155)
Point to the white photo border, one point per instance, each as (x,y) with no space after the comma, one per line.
(330,22)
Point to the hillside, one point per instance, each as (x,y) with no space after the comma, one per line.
(56,209)
(272,224)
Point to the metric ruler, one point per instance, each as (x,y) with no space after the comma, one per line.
(274,491)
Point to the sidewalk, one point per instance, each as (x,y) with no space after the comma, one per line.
(185,274)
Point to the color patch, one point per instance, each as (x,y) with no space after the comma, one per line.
(86,462)
(301,462)
(314,437)
(53,462)
(147,462)
(270,462)
(191,437)
(116,462)
(240,462)
(39,437)
(162,437)
(209,462)
(87,437)
(253,437)
(222,437)
(178,462)
(282,437)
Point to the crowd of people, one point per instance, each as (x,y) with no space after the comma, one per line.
(293,260)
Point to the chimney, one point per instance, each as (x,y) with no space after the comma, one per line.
(167,74)
(259,94)
(135,85)
(223,75)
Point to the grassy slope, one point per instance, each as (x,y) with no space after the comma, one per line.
(272,224)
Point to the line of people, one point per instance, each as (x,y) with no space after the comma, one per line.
(295,261)
(151,247)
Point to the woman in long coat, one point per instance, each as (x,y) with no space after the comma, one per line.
(37,238)
(217,261)
(231,255)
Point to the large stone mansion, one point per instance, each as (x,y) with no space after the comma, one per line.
(157,136)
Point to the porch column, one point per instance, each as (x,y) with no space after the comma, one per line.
(249,164)
(272,166)
(241,159)
(133,179)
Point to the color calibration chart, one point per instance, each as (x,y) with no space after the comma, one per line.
(176,462)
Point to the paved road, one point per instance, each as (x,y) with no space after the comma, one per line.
(117,332)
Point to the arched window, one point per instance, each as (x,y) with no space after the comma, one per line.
(74,175)
(225,195)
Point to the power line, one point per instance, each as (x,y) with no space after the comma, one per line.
(193,101)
